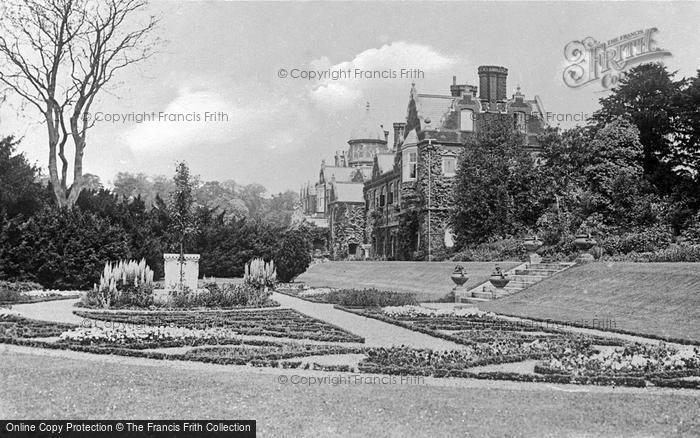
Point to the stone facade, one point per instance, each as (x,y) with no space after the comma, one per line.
(335,201)
(407,190)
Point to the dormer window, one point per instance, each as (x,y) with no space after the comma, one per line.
(466,120)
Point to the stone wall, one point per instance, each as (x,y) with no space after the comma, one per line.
(348,227)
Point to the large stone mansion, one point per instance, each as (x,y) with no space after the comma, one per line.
(393,200)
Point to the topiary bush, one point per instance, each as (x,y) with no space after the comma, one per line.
(293,255)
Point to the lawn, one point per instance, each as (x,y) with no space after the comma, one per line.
(658,299)
(428,280)
(34,386)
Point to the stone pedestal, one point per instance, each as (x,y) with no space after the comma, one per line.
(190,271)
(585,258)
(535,258)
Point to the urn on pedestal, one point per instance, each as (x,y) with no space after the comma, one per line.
(459,277)
(584,242)
(499,279)
(532,244)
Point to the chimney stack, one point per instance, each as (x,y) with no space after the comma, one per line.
(492,83)
(398,133)
(457,90)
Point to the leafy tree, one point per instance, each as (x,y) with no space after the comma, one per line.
(57,56)
(181,206)
(494,182)
(20,189)
(648,97)
(215,195)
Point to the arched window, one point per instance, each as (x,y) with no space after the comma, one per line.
(390,194)
(466,120)
(382,197)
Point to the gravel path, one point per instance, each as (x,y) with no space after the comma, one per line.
(55,311)
(376,333)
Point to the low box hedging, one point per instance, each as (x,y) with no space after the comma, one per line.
(285,323)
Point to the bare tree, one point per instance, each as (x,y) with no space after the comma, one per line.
(58,55)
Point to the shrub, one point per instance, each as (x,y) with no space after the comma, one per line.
(370,298)
(293,255)
(503,249)
(123,284)
(11,291)
(677,253)
(260,274)
(222,295)
(59,248)
(640,241)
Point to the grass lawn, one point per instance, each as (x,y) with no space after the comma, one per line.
(428,280)
(661,299)
(33,386)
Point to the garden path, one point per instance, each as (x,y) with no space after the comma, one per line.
(55,311)
(376,333)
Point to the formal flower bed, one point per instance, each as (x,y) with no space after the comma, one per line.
(19,296)
(286,323)
(470,325)
(242,354)
(12,325)
(634,359)
(414,312)
(148,337)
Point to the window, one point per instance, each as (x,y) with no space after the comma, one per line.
(397,191)
(320,200)
(519,122)
(466,120)
(382,197)
(410,164)
(449,165)
(390,194)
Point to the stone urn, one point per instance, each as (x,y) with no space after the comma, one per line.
(532,244)
(499,279)
(584,242)
(459,276)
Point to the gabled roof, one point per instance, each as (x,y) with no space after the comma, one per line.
(434,107)
(340,173)
(348,192)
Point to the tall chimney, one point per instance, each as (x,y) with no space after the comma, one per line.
(492,83)
(398,133)
(457,90)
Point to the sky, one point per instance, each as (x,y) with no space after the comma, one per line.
(226,58)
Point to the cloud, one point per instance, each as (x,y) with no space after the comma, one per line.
(344,92)
(191,118)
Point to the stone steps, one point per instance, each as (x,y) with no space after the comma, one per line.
(520,279)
